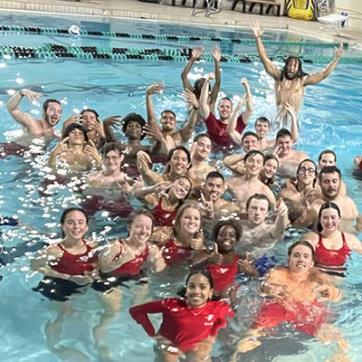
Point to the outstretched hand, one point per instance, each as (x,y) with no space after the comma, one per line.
(338,51)
(256,28)
(31,95)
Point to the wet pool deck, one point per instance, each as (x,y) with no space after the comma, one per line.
(166,12)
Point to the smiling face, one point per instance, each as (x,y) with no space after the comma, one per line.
(301,259)
(141,229)
(284,143)
(53,113)
(329,220)
(270,168)
(134,130)
(225,107)
(88,120)
(168,121)
(179,163)
(261,128)
(330,184)
(190,221)
(112,161)
(307,173)
(74,225)
(292,68)
(202,148)
(180,188)
(198,291)
(226,238)
(254,164)
(257,211)
(250,143)
(214,188)
(327,159)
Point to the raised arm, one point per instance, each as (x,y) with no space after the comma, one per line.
(319,76)
(151,90)
(186,131)
(25,119)
(108,124)
(203,101)
(195,55)
(248,101)
(216,54)
(281,221)
(235,163)
(144,168)
(232,122)
(269,66)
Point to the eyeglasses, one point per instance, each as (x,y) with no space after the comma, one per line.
(309,171)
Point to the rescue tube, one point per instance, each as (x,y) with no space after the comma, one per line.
(301,9)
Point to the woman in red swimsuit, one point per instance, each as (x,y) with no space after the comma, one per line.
(189,324)
(332,247)
(123,260)
(223,262)
(68,267)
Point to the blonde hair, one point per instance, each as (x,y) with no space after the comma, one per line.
(180,211)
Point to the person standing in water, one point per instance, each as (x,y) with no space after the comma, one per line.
(291,80)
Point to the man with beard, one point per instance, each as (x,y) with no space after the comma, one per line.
(246,185)
(36,134)
(330,183)
(291,80)
(212,204)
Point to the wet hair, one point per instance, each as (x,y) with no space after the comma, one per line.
(263,178)
(112,146)
(215,174)
(253,153)
(180,211)
(139,212)
(68,211)
(182,291)
(262,120)
(48,101)
(329,169)
(74,126)
(304,243)
(284,72)
(168,111)
(282,133)
(270,156)
(315,170)
(133,117)
(198,87)
(249,133)
(230,222)
(258,196)
(201,135)
(327,205)
(91,111)
(179,148)
(188,193)
(324,152)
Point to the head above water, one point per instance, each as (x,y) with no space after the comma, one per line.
(133,117)
(325,206)
(292,69)
(52,110)
(68,211)
(72,127)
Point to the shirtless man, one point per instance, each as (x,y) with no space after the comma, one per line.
(168,122)
(212,203)
(109,188)
(74,153)
(296,295)
(246,185)
(291,80)
(200,151)
(217,128)
(258,235)
(35,132)
(330,183)
(289,159)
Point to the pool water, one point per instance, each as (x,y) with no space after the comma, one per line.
(330,119)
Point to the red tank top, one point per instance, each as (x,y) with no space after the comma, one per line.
(74,264)
(332,261)
(173,253)
(163,217)
(132,267)
(223,275)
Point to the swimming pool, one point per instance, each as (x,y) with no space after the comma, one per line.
(329,121)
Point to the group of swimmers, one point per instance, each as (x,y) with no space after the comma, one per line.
(192,215)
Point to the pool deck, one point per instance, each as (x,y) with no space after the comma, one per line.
(166,12)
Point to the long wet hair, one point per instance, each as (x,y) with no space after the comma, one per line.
(327,205)
(300,73)
(182,291)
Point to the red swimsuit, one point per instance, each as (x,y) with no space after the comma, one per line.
(163,217)
(173,253)
(332,261)
(74,264)
(183,325)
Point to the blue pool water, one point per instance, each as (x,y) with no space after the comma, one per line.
(331,119)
